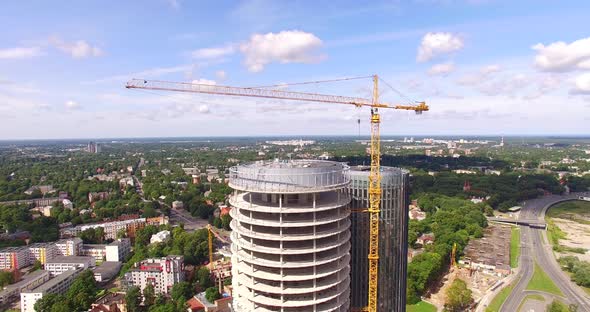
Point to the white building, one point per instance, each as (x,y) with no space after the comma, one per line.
(115,251)
(69,247)
(160,237)
(67,204)
(161,273)
(62,264)
(56,285)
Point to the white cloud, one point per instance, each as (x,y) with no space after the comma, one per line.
(561,56)
(213,53)
(19,53)
(204,82)
(204,109)
(582,84)
(442,69)
(291,46)
(174,4)
(220,74)
(435,44)
(77,49)
(480,76)
(72,105)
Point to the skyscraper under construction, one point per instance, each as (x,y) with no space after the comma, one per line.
(393,239)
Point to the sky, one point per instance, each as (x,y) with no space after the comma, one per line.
(483,66)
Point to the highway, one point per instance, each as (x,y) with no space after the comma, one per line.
(535,248)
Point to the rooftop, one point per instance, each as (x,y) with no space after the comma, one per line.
(107,267)
(70,259)
(54,281)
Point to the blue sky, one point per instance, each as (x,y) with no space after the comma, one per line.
(484,67)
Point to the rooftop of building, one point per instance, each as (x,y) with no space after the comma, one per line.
(70,259)
(27,278)
(107,267)
(54,281)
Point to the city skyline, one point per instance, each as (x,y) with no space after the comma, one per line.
(484,67)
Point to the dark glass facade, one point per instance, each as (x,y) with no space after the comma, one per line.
(393,246)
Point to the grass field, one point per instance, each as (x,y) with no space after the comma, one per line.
(514,247)
(541,281)
(421,307)
(572,210)
(554,233)
(497,302)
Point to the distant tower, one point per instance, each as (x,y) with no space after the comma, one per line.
(393,238)
(502,142)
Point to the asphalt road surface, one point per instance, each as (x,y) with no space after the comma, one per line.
(534,248)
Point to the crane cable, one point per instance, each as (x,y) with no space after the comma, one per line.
(397,91)
(309,82)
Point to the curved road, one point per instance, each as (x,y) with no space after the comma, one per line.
(534,248)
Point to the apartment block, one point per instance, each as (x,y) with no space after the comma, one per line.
(12,292)
(69,247)
(42,252)
(63,264)
(56,285)
(162,273)
(14,258)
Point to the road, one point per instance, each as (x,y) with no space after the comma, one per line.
(534,248)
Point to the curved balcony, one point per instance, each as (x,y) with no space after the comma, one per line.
(327,201)
(291,250)
(296,287)
(337,254)
(342,214)
(340,304)
(345,225)
(289,274)
(299,301)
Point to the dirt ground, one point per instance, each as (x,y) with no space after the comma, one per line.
(577,236)
(477,282)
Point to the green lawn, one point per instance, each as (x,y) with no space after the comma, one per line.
(572,210)
(541,281)
(514,247)
(497,302)
(421,307)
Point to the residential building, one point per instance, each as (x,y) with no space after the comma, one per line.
(177,204)
(393,239)
(42,252)
(291,236)
(69,247)
(56,285)
(160,237)
(115,251)
(14,258)
(67,204)
(111,302)
(222,304)
(62,264)
(12,292)
(425,239)
(161,273)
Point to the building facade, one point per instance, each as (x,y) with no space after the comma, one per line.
(69,247)
(161,273)
(291,236)
(393,230)
(56,285)
(42,252)
(14,258)
(62,264)
(12,292)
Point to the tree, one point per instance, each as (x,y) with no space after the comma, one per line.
(458,296)
(181,290)
(46,302)
(37,265)
(133,299)
(558,306)
(122,233)
(217,223)
(83,290)
(6,278)
(204,277)
(226,220)
(149,295)
(212,294)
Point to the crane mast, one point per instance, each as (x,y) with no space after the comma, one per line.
(375,173)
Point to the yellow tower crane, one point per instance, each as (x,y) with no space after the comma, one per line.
(374,176)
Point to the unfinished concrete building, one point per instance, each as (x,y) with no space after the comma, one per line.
(291,237)
(393,238)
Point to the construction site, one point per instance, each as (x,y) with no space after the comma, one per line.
(291,239)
